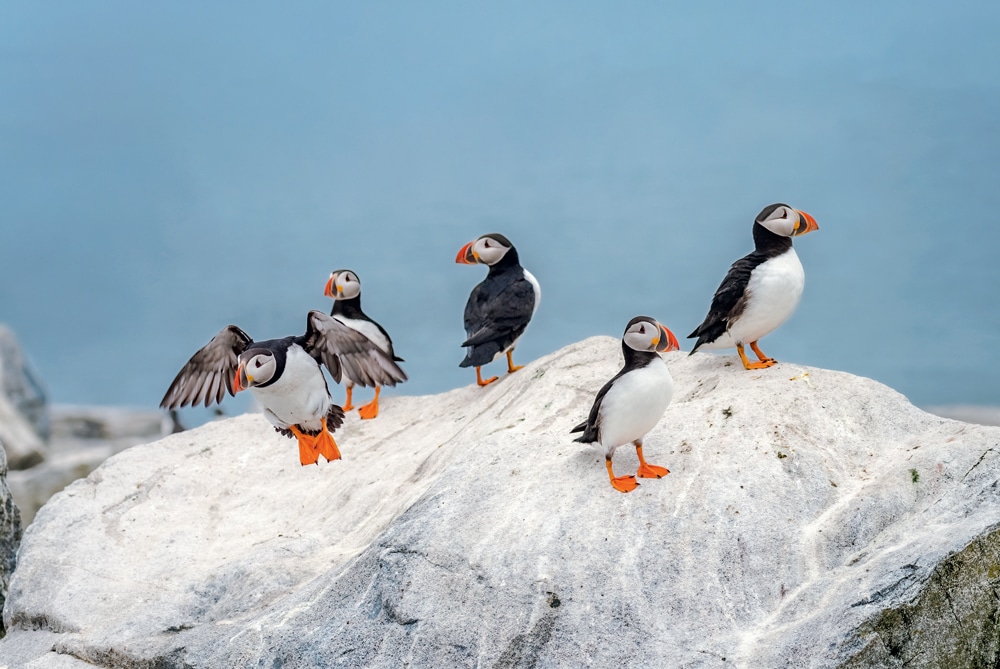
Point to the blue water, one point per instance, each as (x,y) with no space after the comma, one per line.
(166,170)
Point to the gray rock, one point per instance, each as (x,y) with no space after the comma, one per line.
(21,384)
(82,437)
(10,532)
(812,519)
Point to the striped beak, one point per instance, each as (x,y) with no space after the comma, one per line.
(242,380)
(805,224)
(466,256)
(666,341)
(328,289)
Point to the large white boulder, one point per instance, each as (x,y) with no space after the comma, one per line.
(812,519)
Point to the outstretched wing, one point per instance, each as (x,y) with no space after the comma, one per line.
(728,302)
(335,345)
(208,375)
(491,317)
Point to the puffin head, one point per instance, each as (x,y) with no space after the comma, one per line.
(646,334)
(256,367)
(785,221)
(487,250)
(343,284)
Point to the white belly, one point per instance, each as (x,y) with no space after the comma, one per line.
(369,330)
(774,290)
(299,396)
(635,404)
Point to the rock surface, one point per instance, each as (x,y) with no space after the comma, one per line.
(811,519)
(82,437)
(24,422)
(10,532)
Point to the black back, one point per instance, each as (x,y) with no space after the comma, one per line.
(498,311)
(730,298)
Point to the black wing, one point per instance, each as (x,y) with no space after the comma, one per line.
(591,427)
(335,345)
(209,374)
(489,317)
(728,302)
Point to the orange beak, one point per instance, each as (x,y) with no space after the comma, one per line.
(328,289)
(238,380)
(810,223)
(668,342)
(465,256)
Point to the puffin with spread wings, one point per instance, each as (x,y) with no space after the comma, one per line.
(286,378)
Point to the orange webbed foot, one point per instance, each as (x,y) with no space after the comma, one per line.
(648,471)
(620,483)
(370,410)
(624,483)
(326,446)
(763,364)
(511,367)
(479,378)
(308,450)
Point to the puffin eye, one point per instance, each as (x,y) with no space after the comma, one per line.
(257,362)
(642,329)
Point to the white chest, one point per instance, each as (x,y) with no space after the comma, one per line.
(299,396)
(635,404)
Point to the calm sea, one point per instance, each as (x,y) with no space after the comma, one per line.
(167,170)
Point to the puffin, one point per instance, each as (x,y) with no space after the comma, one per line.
(633,401)
(285,377)
(761,289)
(344,287)
(500,308)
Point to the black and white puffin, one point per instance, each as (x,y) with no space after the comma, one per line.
(761,289)
(344,287)
(285,377)
(633,401)
(499,308)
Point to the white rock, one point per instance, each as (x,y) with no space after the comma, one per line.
(805,509)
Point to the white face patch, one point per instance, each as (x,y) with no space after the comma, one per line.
(781,221)
(640,336)
(347,285)
(260,369)
(489,251)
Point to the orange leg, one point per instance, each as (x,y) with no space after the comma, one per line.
(479,378)
(760,353)
(511,367)
(347,405)
(751,365)
(370,410)
(620,483)
(326,446)
(308,451)
(646,470)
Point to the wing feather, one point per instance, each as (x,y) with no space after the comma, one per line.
(337,346)
(211,369)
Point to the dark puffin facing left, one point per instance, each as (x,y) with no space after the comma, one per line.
(761,289)
(500,308)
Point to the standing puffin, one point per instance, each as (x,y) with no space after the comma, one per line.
(499,308)
(761,289)
(344,287)
(285,377)
(633,401)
